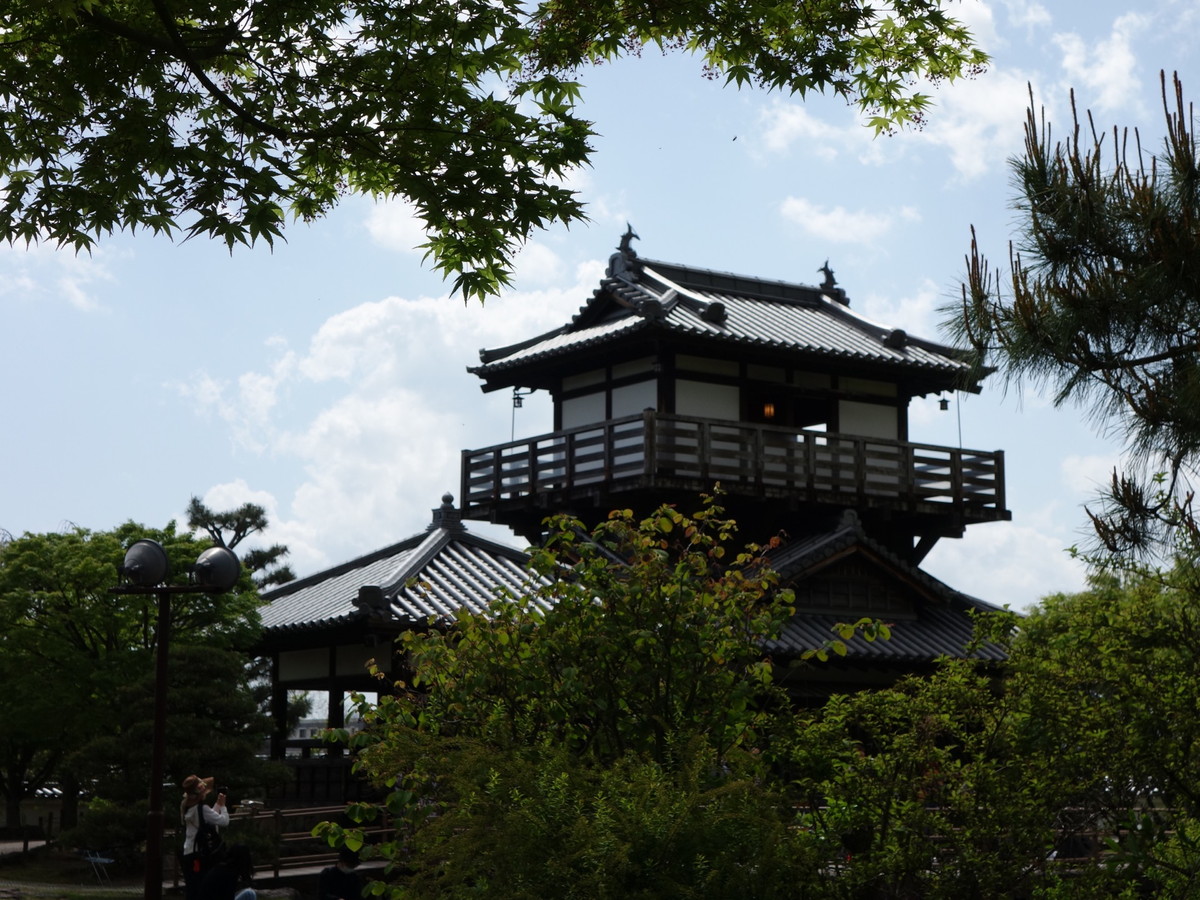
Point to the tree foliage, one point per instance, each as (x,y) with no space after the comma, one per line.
(229,528)
(655,628)
(1071,773)
(927,789)
(81,661)
(609,719)
(1102,303)
(1112,675)
(226,118)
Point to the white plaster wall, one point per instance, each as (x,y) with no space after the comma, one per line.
(585,410)
(711,401)
(298,665)
(633,398)
(868,419)
(352,659)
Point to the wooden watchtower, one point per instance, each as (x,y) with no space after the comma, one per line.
(673,378)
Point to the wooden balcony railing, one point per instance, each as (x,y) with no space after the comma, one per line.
(658,450)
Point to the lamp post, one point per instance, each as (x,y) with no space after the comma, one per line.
(143,572)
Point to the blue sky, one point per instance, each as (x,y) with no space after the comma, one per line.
(326,379)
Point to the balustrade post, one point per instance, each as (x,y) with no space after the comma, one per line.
(998,480)
(760,460)
(464,476)
(909,471)
(569,468)
(533,467)
(649,443)
(497,477)
(860,469)
(810,463)
(956,480)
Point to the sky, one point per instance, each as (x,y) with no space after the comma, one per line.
(326,379)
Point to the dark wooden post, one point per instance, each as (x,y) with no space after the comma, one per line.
(158,753)
(998,480)
(909,474)
(956,479)
(649,444)
(279,732)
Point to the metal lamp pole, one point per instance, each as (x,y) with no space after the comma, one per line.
(145,568)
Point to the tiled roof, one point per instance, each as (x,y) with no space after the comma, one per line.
(935,632)
(941,626)
(447,568)
(432,574)
(730,308)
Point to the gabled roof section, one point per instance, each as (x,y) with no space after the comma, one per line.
(638,295)
(428,575)
(936,623)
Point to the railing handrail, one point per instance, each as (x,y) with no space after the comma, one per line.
(641,448)
(783,431)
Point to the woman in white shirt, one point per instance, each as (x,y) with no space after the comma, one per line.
(191,808)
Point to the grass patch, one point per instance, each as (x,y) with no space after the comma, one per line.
(59,871)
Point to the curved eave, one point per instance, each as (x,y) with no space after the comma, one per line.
(940,625)
(355,618)
(934,633)
(919,361)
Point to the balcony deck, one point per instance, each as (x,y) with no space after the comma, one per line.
(658,452)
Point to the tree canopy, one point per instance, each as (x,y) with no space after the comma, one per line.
(607,723)
(1102,302)
(230,527)
(227,118)
(77,663)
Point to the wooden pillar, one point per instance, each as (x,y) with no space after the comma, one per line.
(279,704)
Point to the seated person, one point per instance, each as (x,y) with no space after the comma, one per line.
(230,878)
(340,881)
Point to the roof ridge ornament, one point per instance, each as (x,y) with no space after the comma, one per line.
(830,286)
(624,263)
(711,311)
(372,600)
(446,516)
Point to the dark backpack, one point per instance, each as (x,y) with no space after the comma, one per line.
(208,845)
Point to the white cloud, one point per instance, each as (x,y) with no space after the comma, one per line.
(1085,475)
(916,313)
(247,410)
(205,392)
(17,283)
(1008,565)
(43,270)
(785,126)
(371,465)
(540,265)
(394,225)
(977,122)
(1103,73)
(841,225)
(979,19)
(232,494)
(389,409)
(1027,13)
